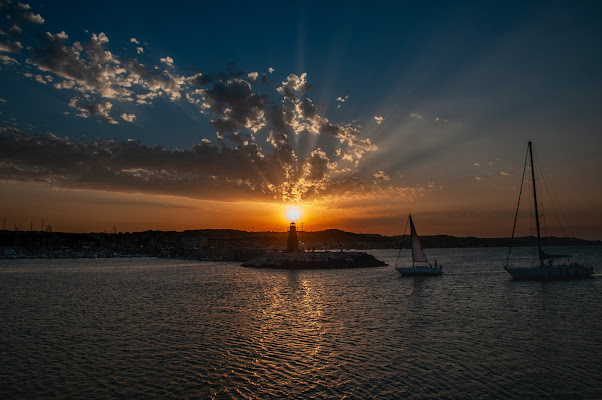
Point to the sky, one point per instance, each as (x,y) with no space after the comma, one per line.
(149,115)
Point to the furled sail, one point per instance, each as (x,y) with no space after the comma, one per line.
(417,252)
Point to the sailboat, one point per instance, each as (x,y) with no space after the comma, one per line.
(420,264)
(545,268)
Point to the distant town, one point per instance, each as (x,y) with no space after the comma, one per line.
(225,244)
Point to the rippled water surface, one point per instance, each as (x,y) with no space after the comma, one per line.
(107,328)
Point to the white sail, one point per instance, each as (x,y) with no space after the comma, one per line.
(417,252)
(423,268)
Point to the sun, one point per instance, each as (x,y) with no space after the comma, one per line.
(293,213)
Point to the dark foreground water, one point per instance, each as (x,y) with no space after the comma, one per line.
(152,328)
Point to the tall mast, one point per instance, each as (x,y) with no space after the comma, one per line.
(535,200)
(412,229)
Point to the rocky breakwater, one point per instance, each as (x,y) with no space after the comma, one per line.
(315,260)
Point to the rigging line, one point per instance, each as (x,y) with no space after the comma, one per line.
(552,194)
(517,207)
(532,229)
(541,174)
(402,239)
(545,225)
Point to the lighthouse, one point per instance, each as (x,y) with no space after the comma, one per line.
(292,245)
(311,260)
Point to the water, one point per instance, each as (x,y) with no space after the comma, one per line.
(115,328)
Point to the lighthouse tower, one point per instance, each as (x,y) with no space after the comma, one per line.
(292,244)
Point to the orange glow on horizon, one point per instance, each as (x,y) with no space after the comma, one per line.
(26,205)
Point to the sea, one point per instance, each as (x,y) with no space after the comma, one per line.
(179,329)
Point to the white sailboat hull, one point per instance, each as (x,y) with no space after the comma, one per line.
(559,272)
(419,271)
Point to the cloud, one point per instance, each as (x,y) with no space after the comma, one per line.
(128,117)
(6,60)
(206,171)
(14,31)
(237,107)
(379,120)
(132,167)
(295,83)
(97,71)
(416,116)
(167,61)
(34,18)
(2,101)
(381,175)
(503,173)
(19,13)
(139,50)
(341,100)
(40,79)
(256,122)
(10,47)
(87,108)
(64,85)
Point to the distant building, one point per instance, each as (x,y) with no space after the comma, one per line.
(189,243)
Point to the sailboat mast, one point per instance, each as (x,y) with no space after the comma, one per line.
(535,200)
(412,230)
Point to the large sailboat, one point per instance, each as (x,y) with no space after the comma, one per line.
(420,264)
(545,268)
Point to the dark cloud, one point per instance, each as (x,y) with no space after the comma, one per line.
(19,13)
(206,171)
(240,110)
(7,60)
(236,102)
(14,31)
(308,110)
(237,106)
(87,108)
(200,79)
(203,172)
(248,110)
(11,47)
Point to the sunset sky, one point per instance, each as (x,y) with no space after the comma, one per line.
(173,116)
